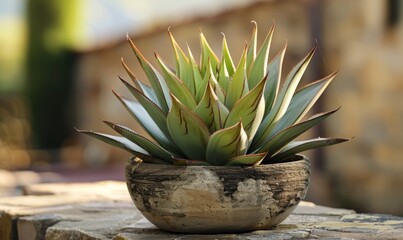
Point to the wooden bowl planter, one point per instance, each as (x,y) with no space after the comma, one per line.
(214,199)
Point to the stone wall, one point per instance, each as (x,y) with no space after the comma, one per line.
(366,173)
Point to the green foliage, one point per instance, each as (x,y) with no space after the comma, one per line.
(214,113)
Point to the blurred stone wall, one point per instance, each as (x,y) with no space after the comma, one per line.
(364,174)
(367,173)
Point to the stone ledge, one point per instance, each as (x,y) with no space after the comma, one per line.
(103,210)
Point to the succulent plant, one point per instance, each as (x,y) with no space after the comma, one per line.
(219,113)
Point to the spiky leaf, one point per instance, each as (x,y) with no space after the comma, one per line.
(187,162)
(227,67)
(144,143)
(183,65)
(226,57)
(125,144)
(273,81)
(156,80)
(156,129)
(258,69)
(282,101)
(238,85)
(300,146)
(177,86)
(224,77)
(211,110)
(187,130)
(246,160)
(216,86)
(208,56)
(197,77)
(130,73)
(251,55)
(203,86)
(249,110)
(221,113)
(146,90)
(152,109)
(225,144)
(302,102)
(280,140)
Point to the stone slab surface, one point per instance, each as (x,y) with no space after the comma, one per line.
(103,210)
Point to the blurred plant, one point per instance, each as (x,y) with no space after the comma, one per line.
(50,62)
(216,113)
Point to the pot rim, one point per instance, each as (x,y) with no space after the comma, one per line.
(296,159)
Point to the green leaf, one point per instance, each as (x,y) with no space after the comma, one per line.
(247,160)
(226,57)
(188,131)
(227,67)
(258,69)
(154,77)
(211,110)
(238,85)
(197,77)
(176,86)
(299,146)
(130,73)
(152,109)
(249,109)
(208,57)
(273,81)
(225,144)
(216,86)
(148,91)
(183,66)
(302,102)
(220,113)
(282,102)
(280,140)
(154,127)
(123,143)
(144,143)
(205,108)
(223,77)
(187,162)
(203,86)
(251,55)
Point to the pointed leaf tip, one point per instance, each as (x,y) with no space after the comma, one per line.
(296,147)
(281,139)
(155,150)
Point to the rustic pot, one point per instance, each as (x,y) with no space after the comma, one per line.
(215,199)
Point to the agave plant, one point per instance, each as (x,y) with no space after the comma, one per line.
(218,113)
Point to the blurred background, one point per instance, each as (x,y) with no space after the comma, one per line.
(60,59)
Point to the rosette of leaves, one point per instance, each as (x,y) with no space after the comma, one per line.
(216,112)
